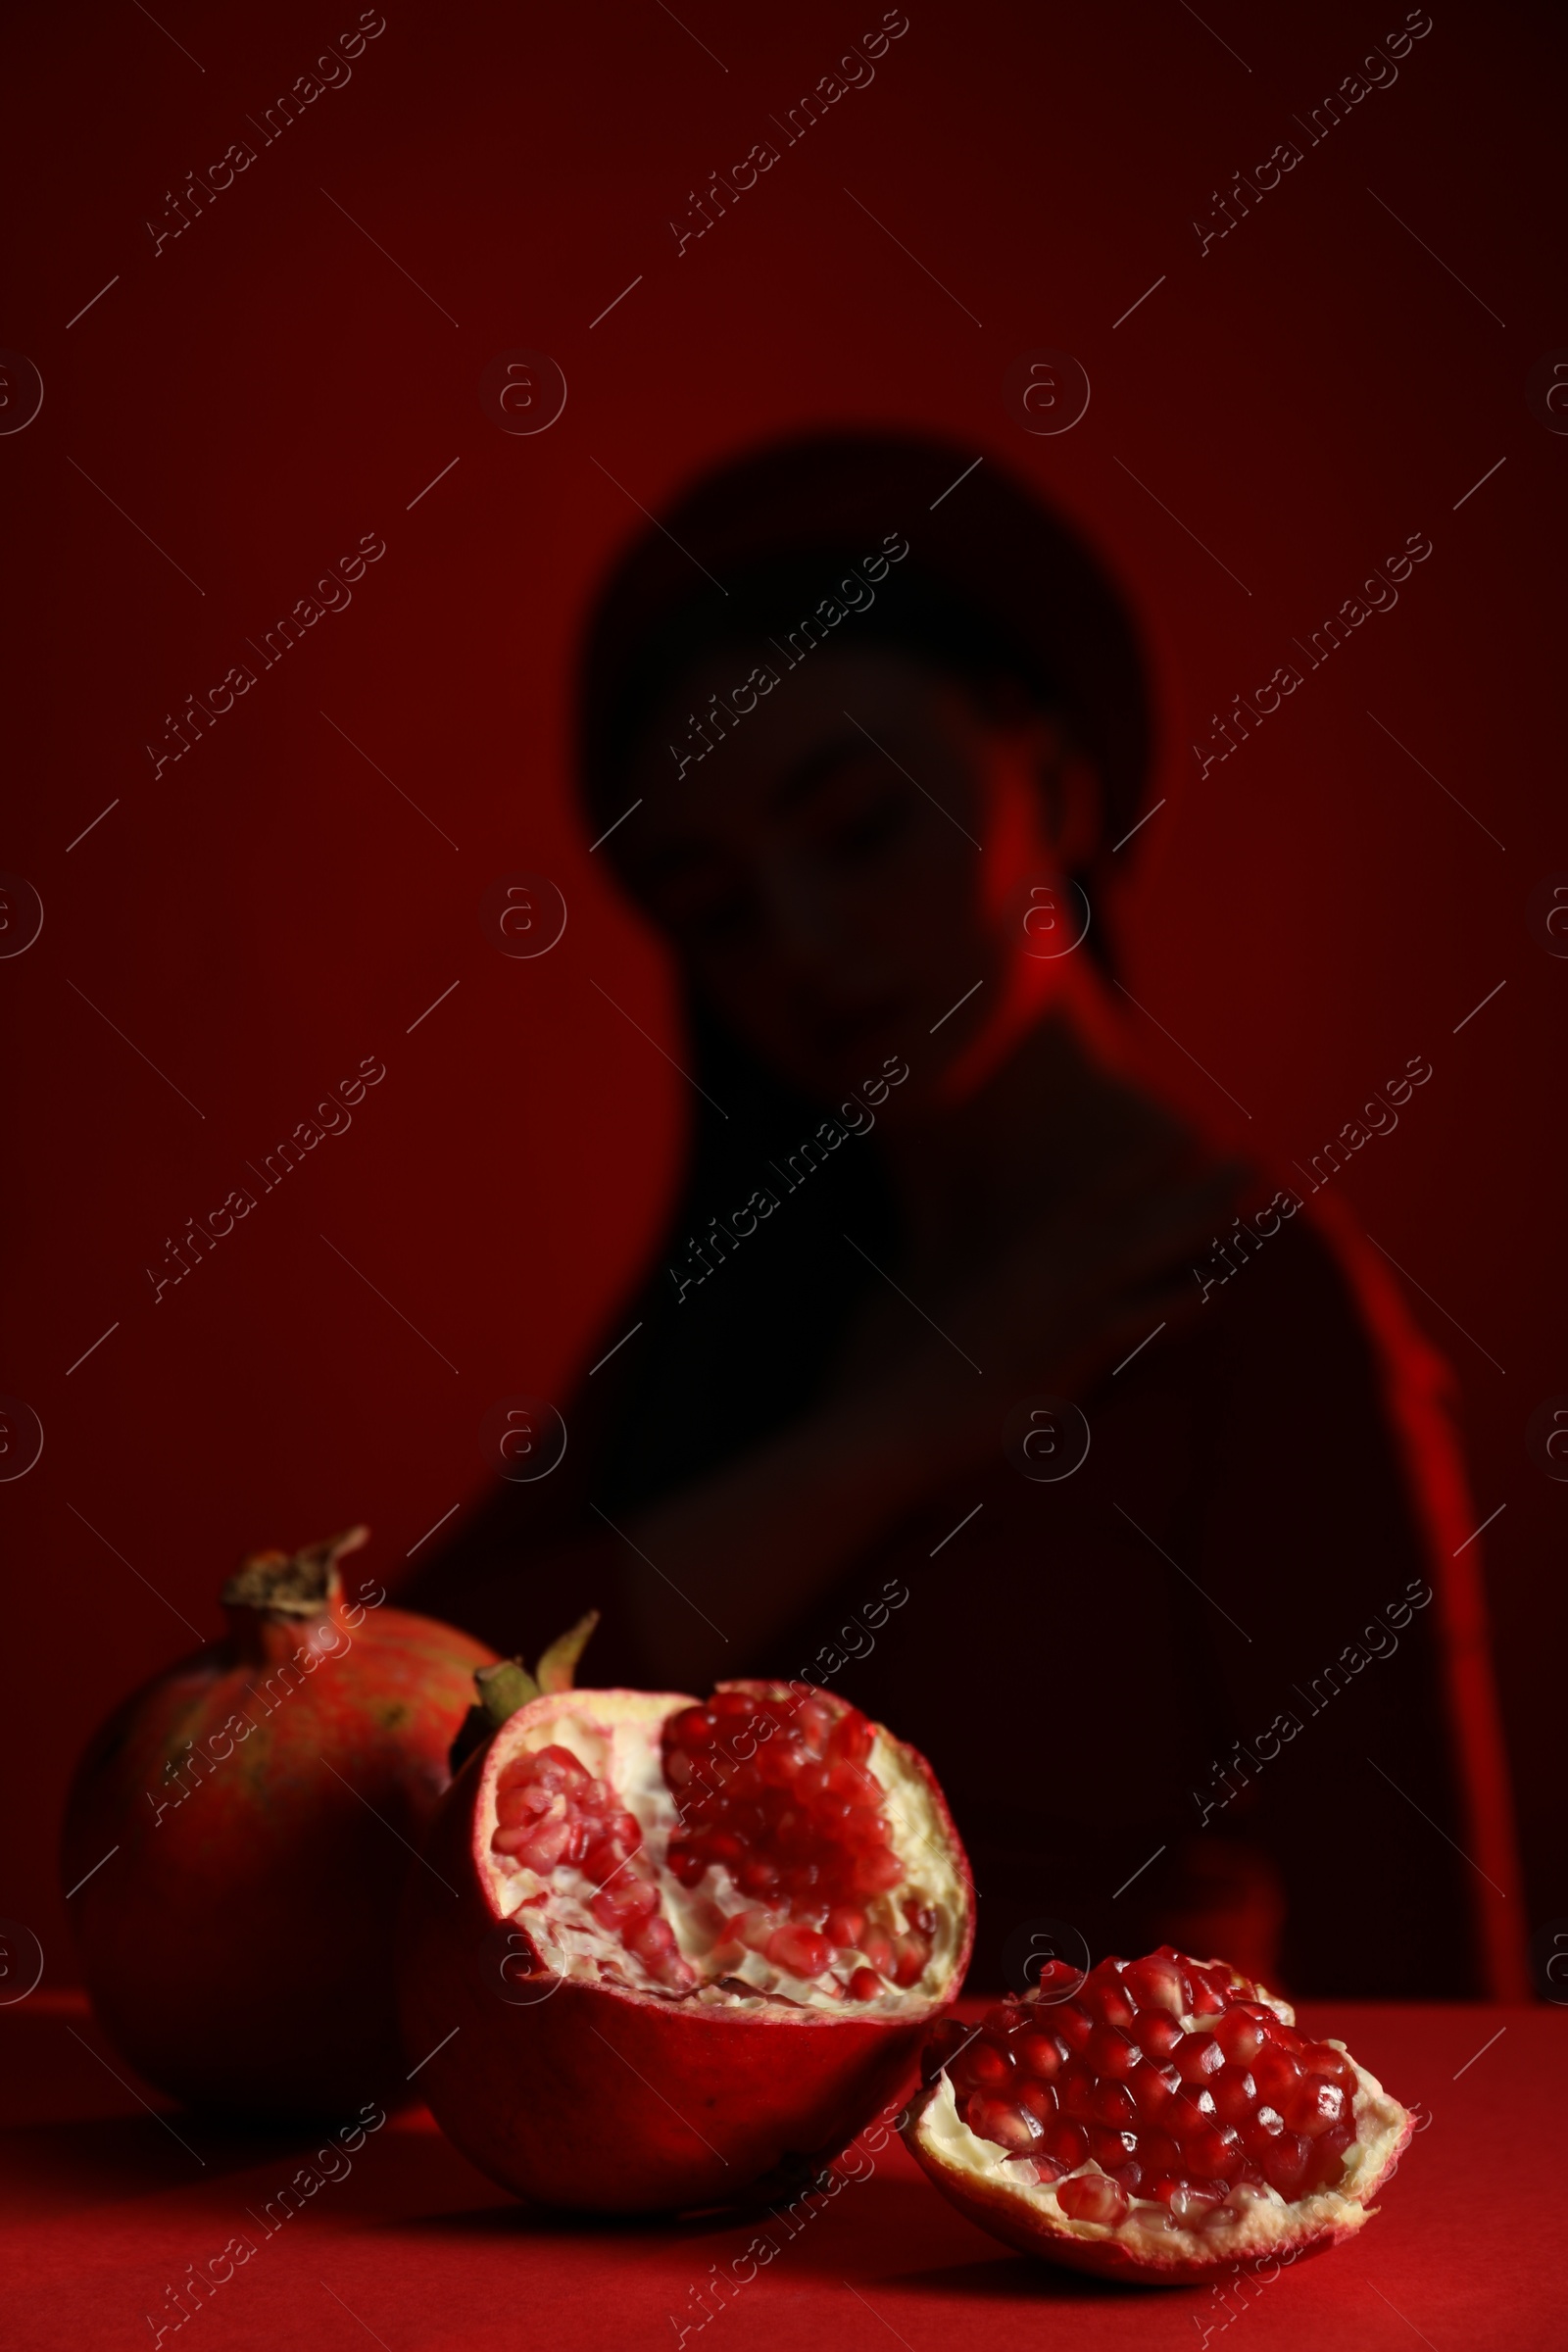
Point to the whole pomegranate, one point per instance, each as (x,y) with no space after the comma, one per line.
(1159,2120)
(696,1944)
(237,1832)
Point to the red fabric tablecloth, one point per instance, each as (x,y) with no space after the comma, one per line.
(105,2204)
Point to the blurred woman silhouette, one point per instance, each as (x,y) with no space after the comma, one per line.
(867,737)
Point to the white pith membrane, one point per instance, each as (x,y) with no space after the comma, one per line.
(1263,2223)
(614,1735)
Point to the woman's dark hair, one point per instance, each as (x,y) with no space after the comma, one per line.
(767,619)
(988,585)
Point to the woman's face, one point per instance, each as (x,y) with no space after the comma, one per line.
(846,873)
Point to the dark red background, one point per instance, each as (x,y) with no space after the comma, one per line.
(270,387)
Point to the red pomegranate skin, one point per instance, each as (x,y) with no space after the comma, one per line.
(599,2099)
(237,1942)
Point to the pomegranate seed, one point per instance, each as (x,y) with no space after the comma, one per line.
(1284,2163)
(1247,2194)
(1322,2058)
(1190,2204)
(986,2067)
(1037,2097)
(815,1725)
(541,1847)
(1111,2103)
(1264,2127)
(653,1938)
(910,1953)
(1234,2094)
(1153,2090)
(945,2040)
(757,1929)
(1039,2054)
(1073,2025)
(1157,1983)
(1108,2147)
(851,1738)
(800,1951)
(1210,2149)
(1056,1980)
(877,1871)
(514,1804)
(1239,2035)
(1326,2162)
(1107,2001)
(626,1900)
(865,1984)
(1276,2074)
(1067,2144)
(1008,2126)
(1109,2051)
(846,1926)
(877,1953)
(1198,2056)
(1314,2107)
(1092,2197)
(1077,2097)
(1155,2033)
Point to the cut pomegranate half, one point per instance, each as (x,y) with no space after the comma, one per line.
(696,1944)
(1158,2119)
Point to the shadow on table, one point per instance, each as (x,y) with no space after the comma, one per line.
(514,2219)
(877,2232)
(1013,2279)
(50,2168)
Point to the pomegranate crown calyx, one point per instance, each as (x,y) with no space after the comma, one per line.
(276,1584)
(558,1665)
(507,1686)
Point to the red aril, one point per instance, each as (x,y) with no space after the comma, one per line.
(1189,2142)
(252,1811)
(694,1945)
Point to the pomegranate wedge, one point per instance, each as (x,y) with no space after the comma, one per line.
(666,1950)
(1160,2120)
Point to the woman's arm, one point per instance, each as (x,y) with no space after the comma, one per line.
(725,1564)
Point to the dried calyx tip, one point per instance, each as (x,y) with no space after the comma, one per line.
(277,1584)
(503,1689)
(558,1666)
(508,1685)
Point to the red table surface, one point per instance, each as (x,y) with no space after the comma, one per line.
(105,2204)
